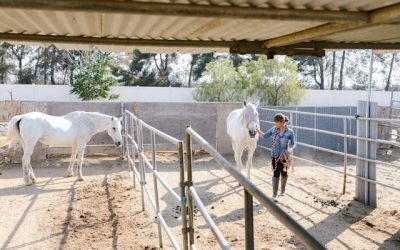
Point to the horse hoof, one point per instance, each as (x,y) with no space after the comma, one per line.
(28,183)
(81,179)
(33,179)
(70,174)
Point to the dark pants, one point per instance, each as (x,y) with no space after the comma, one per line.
(279,169)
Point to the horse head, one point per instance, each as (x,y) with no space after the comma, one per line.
(114,131)
(250,118)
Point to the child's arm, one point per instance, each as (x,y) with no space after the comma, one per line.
(266,134)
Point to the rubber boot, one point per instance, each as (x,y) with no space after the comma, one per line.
(283,185)
(275,185)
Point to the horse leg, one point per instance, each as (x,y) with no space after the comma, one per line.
(240,155)
(250,160)
(81,151)
(27,171)
(70,171)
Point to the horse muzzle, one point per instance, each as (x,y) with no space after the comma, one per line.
(252,134)
(118,144)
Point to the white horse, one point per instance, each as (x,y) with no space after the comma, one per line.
(72,130)
(241,127)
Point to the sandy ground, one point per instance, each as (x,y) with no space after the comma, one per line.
(105,212)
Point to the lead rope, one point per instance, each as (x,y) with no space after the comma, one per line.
(273,150)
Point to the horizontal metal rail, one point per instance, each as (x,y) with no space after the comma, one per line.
(338,171)
(341,135)
(152,201)
(146,164)
(214,229)
(332,116)
(349,155)
(134,169)
(304,236)
(168,231)
(160,133)
(131,115)
(159,178)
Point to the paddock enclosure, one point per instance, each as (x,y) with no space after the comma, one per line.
(106,210)
(170,186)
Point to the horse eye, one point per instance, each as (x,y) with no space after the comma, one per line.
(114,129)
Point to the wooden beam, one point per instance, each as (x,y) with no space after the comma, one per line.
(189,10)
(56,39)
(236,47)
(381,16)
(331,45)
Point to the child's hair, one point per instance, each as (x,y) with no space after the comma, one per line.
(279,117)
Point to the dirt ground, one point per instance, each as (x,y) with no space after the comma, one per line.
(105,211)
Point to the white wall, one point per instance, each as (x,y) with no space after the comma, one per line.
(345,97)
(61,93)
(169,94)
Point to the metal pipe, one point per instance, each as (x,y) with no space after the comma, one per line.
(153,160)
(349,155)
(214,229)
(304,236)
(159,177)
(141,163)
(345,154)
(123,147)
(341,135)
(185,240)
(332,116)
(161,134)
(248,220)
(168,231)
(340,172)
(189,182)
(152,201)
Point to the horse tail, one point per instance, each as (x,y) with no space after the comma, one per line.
(13,132)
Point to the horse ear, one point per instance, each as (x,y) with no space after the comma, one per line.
(257,103)
(244,103)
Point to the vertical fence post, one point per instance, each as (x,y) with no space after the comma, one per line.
(183,197)
(248,220)
(141,161)
(123,146)
(154,163)
(133,149)
(345,154)
(189,184)
(366,191)
(126,141)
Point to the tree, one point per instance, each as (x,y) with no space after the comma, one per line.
(275,82)
(333,70)
(312,68)
(198,65)
(390,72)
(340,87)
(5,67)
(19,52)
(221,83)
(93,79)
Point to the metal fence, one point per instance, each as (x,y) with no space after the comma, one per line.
(250,191)
(133,144)
(133,134)
(366,143)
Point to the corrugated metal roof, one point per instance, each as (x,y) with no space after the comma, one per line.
(103,24)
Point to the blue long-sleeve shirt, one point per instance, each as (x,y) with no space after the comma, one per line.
(281,140)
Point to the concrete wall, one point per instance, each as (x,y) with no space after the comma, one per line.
(313,98)
(208,119)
